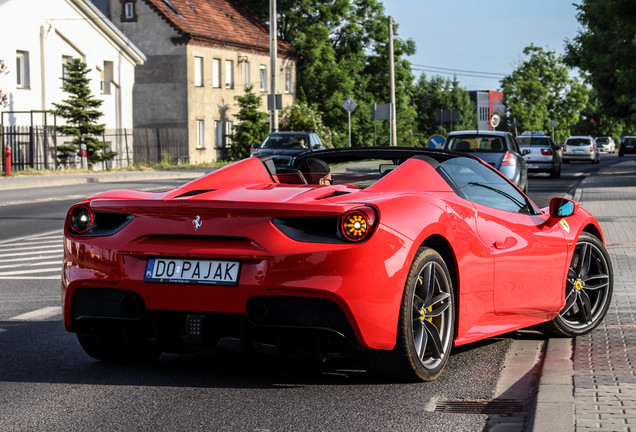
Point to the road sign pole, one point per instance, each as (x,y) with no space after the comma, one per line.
(349,112)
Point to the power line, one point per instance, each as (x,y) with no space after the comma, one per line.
(461,72)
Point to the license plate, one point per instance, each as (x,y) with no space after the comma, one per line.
(192,271)
(533,166)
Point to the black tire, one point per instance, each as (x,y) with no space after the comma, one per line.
(116,342)
(588,290)
(426,325)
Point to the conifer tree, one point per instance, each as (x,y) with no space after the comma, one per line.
(251,129)
(81,113)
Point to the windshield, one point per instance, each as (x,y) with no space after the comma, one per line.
(578,142)
(285,141)
(533,141)
(467,143)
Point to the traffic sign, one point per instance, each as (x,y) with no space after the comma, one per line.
(349,105)
(436,141)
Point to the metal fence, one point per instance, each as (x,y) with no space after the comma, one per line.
(156,145)
(35,147)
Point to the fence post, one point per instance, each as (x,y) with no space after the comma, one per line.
(84,156)
(7,161)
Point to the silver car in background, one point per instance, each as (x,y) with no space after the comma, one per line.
(541,153)
(499,149)
(581,148)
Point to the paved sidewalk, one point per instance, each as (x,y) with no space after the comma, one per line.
(589,383)
(33,181)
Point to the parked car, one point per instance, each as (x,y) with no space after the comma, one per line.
(606,144)
(627,145)
(499,149)
(405,254)
(284,147)
(541,153)
(581,148)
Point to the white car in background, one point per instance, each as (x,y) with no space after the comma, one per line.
(581,148)
(606,144)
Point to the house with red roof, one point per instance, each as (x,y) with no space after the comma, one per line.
(201,54)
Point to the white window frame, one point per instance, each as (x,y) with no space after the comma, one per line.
(218,134)
(229,130)
(200,134)
(129,10)
(66,59)
(229,74)
(216,73)
(107,76)
(263,78)
(198,71)
(288,79)
(23,76)
(248,74)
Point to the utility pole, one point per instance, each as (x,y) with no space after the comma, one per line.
(273,53)
(392,126)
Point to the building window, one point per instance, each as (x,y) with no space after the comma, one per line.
(229,130)
(200,134)
(218,134)
(216,73)
(128,11)
(229,74)
(107,76)
(198,71)
(288,79)
(248,74)
(263,80)
(65,60)
(23,79)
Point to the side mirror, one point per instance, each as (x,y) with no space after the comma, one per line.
(526,151)
(562,207)
(255,146)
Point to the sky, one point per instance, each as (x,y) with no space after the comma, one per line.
(482,40)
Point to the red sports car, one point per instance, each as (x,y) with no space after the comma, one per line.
(398,253)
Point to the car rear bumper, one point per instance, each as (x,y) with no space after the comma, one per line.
(274,290)
(581,157)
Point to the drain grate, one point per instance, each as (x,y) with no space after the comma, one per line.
(480,407)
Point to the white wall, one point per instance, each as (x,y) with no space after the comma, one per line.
(49,30)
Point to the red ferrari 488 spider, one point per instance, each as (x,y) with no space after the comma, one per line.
(399,253)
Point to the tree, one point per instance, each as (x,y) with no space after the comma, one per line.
(301,117)
(4,99)
(605,50)
(341,48)
(81,113)
(251,129)
(540,90)
(441,93)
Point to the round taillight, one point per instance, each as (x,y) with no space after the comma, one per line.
(356,225)
(81,219)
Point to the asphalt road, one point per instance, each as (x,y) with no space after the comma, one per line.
(48,383)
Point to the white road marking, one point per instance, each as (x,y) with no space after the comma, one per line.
(36,256)
(38,315)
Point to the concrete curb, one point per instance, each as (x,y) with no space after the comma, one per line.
(555,395)
(35,181)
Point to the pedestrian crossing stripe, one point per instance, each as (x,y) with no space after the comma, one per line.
(36,256)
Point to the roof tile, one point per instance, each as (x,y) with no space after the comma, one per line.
(223,22)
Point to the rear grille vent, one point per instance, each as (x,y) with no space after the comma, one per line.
(494,407)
